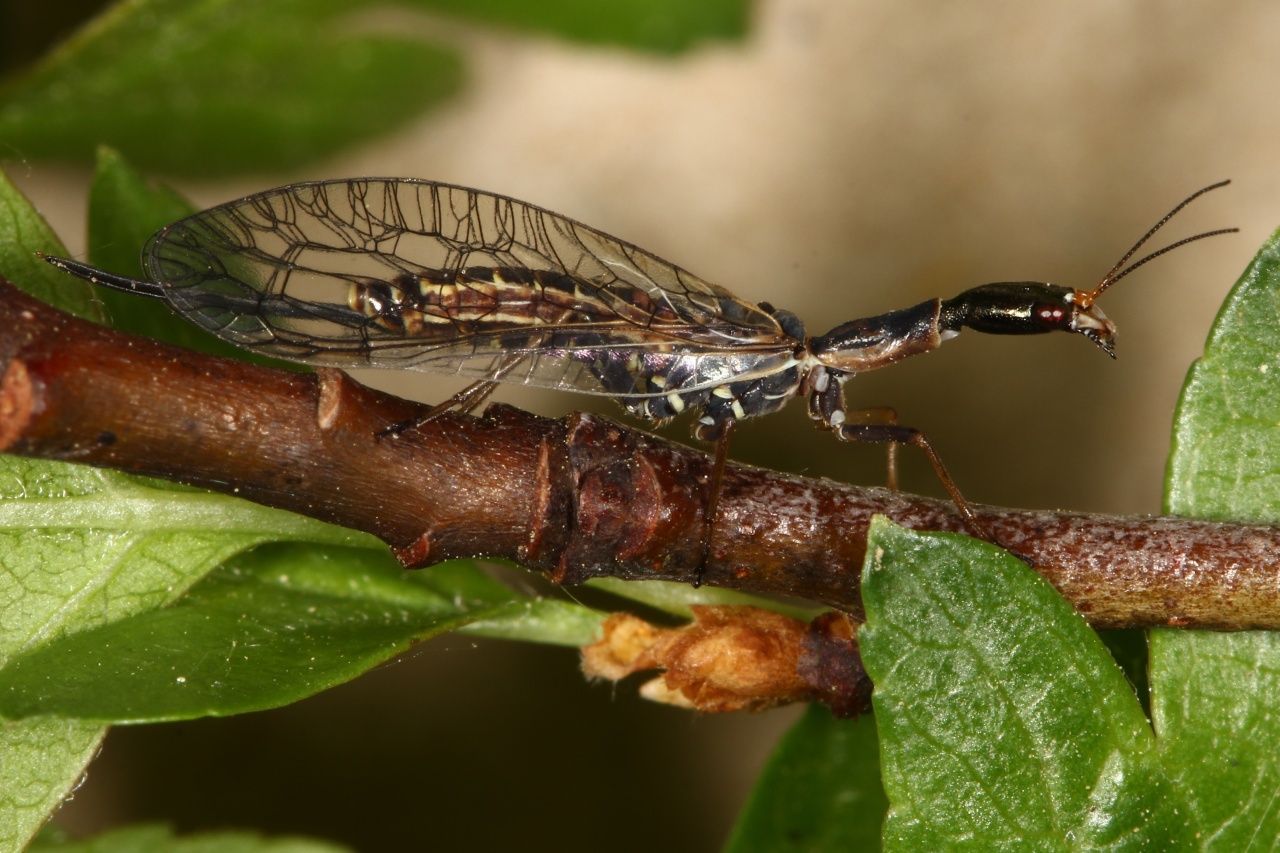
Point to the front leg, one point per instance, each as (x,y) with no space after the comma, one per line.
(879,426)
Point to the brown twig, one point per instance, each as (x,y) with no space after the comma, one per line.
(576,498)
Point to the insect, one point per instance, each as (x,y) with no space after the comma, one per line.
(416,274)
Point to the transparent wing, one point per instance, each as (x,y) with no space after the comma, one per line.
(422,275)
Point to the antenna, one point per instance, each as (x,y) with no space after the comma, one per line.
(1086,299)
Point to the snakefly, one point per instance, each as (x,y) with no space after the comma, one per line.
(416,274)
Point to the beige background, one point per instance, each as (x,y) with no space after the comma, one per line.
(848,159)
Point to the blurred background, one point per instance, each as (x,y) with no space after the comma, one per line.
(839,158)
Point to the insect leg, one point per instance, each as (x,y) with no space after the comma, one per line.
(884,416)
(713,499)
(465,401)
(897,434)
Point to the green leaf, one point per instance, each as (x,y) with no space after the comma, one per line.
(221,86)
(41,591)
(1215,698)
(1215,702)
(230,86)
(81,547)
(84,547)
(23,233)
(539,620)
(268,628)
(161,839)
(124,211)
(41,761)
(665,26)
(678,598)
(88,558)
(1003,720)
(1225,460)
(819,792)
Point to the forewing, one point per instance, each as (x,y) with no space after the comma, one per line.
(280,273)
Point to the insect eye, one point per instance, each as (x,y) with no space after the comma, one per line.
(1051,314)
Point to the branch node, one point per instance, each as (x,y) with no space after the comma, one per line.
(417,554)
(330,382)
(17,402)
(545,509)
(831,666)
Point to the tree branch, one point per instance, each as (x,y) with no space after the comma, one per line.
(576,498)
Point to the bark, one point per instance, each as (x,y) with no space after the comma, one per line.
(575,498)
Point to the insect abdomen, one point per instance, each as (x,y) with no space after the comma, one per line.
(447,302)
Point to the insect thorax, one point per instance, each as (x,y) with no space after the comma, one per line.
(665,376)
